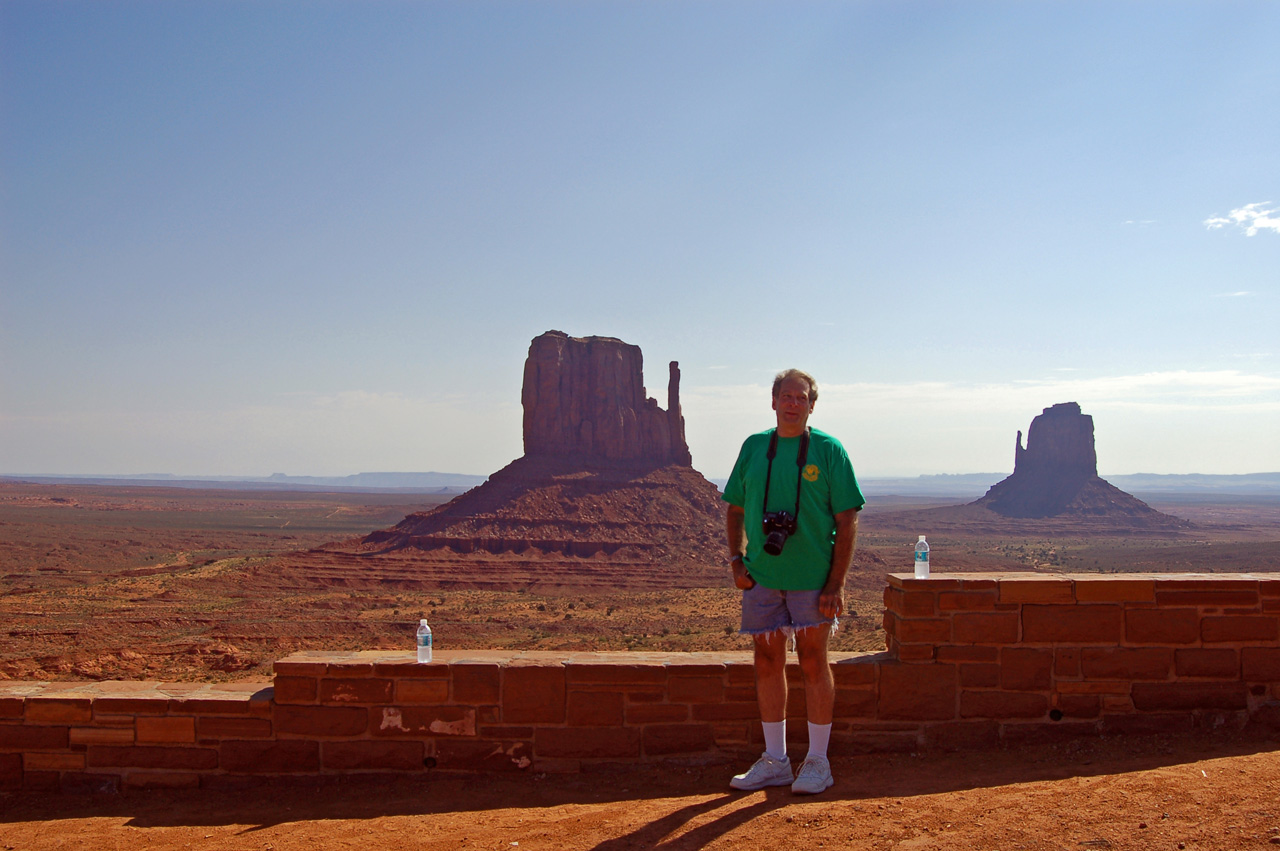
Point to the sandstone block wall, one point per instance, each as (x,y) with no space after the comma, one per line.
(1093,654)
(974,660)
(99,736)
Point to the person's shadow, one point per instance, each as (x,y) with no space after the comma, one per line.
(655,834)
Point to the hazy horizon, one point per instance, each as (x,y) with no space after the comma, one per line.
(319,237)
(993,475)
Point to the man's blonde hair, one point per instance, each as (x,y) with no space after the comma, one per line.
(800,374)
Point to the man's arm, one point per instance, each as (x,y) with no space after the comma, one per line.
(831,601)
(736,530)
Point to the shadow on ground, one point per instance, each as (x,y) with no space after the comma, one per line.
(689,790)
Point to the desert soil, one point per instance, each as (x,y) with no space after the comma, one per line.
(1219,791)
(122,583)
(100,582)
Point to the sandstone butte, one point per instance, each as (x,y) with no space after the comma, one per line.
(603,497)
(1054,490)
(1056,475)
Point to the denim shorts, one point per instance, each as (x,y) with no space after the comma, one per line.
(766,610)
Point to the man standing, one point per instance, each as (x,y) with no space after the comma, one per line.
(792,522)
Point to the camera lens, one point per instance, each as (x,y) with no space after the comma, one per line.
(775,541)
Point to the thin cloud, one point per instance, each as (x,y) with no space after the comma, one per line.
(1250,218)
(1172,389)
(1237,294)
(1169,421)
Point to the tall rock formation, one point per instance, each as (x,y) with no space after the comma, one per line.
(1057,474)
(1059,445)
(584,399)
(603,497)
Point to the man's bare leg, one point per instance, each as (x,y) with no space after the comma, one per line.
(819,682)
(771,675)
(814,775)
(773,768)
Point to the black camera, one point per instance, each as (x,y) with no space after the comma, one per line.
(778,526)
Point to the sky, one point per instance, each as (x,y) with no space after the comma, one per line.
(316,238)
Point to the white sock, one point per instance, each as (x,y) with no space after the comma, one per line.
(819,736)
(775,738)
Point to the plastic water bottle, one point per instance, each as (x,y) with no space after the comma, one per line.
(424,641)
(922,559)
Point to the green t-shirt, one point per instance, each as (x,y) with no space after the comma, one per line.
(828,487)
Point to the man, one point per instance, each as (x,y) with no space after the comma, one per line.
(792,576)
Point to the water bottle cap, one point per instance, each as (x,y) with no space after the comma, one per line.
(921,538)
(422,622)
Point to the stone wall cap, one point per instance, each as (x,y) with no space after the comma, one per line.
(902,579)
(133,690)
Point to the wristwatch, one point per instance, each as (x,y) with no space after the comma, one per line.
(732,559)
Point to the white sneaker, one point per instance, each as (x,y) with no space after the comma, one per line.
(766,772)
(814,776)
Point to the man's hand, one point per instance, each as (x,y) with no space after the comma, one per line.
(831,603)
(831,600)
(741,578)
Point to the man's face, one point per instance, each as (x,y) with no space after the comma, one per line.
(793,407)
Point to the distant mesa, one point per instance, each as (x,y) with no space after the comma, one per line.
(1054,488)
(604,495)
(1056,475)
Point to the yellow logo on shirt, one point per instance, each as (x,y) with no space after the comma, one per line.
(811,473)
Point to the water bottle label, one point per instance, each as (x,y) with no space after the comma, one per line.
(922,556)
(424,640)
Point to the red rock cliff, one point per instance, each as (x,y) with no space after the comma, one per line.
(584,398)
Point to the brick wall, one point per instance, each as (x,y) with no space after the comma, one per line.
(973,660)
(1035,655)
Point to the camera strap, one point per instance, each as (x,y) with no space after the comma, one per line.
(802,456)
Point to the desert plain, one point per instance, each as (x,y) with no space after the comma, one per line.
(117,582)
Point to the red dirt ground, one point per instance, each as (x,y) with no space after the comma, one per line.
(1219,791)
(138,561)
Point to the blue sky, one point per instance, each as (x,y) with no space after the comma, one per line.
(317,238)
